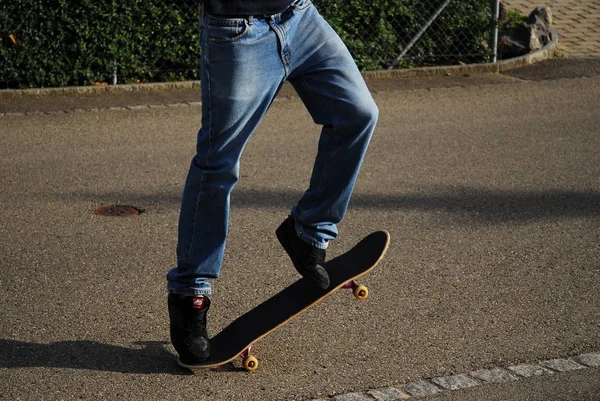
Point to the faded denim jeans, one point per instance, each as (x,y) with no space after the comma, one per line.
(245,61)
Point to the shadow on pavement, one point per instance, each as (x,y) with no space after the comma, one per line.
(558,68)
(490,207)
(151,358)
(464,204)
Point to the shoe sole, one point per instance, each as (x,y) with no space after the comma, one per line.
(185,365)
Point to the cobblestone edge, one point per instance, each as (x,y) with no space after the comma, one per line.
(97,109)
(436,385)
(545,53)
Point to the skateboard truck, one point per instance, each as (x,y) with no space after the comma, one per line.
(250,362)
(360,291)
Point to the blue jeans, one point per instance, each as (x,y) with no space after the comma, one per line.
(245,61)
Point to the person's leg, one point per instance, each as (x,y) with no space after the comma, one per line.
(241,74)
(334,92)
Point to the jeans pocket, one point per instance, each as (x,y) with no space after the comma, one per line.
(224,30)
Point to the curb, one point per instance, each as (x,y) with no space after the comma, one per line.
(544,53)
(437,385)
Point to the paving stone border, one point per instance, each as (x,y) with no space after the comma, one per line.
(96,109)
(436,385)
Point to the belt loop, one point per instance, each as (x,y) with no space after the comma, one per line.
(250,20)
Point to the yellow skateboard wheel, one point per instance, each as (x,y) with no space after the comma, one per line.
(250,363)
(361,292)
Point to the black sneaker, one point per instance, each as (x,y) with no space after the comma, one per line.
(187,315)
(308,260)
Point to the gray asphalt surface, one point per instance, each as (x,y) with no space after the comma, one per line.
(490,193)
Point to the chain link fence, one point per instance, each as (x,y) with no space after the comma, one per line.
(69,42)
(411,33)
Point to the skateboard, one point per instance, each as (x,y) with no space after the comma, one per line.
(236,340)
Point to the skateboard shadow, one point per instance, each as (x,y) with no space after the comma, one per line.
(144,357)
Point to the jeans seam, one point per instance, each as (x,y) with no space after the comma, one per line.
(207,161)
(336,141)
(281,35)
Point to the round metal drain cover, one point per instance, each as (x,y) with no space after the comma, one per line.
(116,211)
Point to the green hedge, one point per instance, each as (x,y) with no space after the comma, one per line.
(48,43)
(79,42)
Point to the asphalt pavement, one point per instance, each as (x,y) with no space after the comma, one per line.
(488,185)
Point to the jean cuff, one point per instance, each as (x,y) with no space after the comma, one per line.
(190,291)
(309,240)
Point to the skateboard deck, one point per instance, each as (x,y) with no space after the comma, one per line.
(236,339)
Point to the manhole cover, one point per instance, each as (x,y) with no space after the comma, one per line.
(116,211)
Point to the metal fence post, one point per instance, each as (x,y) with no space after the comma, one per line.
(419,34)
(495,17)
(113,74)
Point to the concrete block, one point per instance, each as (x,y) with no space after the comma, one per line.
(496,375)
(455,382)
(591,360)
(562,365)
(388,394)
(352,397)
(530,370)
(421,389)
